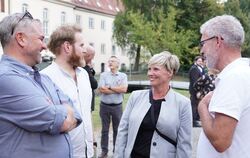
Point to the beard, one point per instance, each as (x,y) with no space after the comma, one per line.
(212,60)
(75,60)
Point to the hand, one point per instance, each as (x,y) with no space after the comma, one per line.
(205,101)
(70,122)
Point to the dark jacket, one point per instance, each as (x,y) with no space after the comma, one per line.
(93,83)
(194,74)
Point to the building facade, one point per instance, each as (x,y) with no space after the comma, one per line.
(94,16)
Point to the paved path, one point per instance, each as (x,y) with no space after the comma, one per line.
(196,133)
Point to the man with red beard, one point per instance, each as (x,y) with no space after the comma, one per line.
(68,45)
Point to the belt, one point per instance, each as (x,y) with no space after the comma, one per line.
(111,104)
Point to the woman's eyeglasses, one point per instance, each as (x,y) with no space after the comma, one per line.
(25,15)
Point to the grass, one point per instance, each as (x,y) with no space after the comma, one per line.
(95,114)
(143,76)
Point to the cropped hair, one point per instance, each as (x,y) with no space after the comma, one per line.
(62,34)
(166,59)
(117,59)
(10,24)
(197,58)
(226,26)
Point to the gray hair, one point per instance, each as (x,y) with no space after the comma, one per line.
(13,23)
(117,59)
(226,26)
(166,59)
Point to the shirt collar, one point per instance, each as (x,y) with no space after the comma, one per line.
(77,70)
(17,65)
(114,74)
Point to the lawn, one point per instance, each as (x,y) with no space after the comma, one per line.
(95,114)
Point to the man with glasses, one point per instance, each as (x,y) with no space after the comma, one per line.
(225,112)
(35,116)
(68,45)
(112,85)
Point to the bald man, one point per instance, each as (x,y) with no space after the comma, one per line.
(89,56)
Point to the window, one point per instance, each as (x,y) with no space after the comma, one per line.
(24,7)
(45,21)
(103,48)
(63,18)
(91,23)
(78,20)
(123,67)
(103,25)
(123,52)
(46,40)
(113,49)
(2,5)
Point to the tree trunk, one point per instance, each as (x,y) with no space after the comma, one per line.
(137,58)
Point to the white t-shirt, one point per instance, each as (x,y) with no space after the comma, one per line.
(81,95)
(231,97)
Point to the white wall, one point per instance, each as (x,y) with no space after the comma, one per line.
(96,35)
(99,36)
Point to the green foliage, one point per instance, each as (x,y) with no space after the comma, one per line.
(240,9)
(173,25)
(192,14)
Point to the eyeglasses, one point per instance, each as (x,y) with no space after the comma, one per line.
(203,41)
(25,15)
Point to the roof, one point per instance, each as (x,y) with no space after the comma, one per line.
(111,7)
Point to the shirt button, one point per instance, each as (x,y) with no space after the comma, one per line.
(154,144)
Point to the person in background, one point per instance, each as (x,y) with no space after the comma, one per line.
(67,44)
(35,115)
(225,112)
(112,85)
(195,72)
(156,123)
(88,57)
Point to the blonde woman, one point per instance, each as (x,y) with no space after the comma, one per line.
(156,123)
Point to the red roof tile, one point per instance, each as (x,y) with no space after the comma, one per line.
(111,7)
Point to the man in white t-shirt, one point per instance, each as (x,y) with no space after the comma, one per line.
(68,45)
(225,113)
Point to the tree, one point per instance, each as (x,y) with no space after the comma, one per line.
(240,9)
(192,14)
(131,30)
(157,25)
(134,26)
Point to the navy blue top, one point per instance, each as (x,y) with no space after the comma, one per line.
(31,115)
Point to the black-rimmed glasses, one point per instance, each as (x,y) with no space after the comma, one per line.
(203,41)
(25,15)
